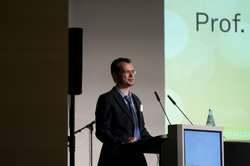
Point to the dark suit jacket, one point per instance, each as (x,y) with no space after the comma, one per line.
(114,124)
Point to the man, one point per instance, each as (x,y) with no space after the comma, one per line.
(119,118)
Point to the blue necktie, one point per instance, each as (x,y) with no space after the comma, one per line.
(136,130)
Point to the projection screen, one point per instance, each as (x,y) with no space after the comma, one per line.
(207,63)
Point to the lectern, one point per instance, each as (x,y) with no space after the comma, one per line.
(185,145)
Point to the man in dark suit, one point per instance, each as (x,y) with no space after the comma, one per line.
(119,118)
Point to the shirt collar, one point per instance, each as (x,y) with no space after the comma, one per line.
(122,93)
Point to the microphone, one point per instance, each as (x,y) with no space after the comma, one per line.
(93,122)
(89,126)
(178,108)
(158,98)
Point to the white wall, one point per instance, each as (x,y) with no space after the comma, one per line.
(112,29)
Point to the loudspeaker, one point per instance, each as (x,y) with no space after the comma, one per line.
(75,61)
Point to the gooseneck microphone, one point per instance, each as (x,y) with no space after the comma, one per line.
(158,98)
(178,108)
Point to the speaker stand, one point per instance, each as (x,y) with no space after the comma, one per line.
(72,130)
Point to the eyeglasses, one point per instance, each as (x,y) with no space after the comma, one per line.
(129,72)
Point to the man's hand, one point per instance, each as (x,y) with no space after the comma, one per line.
(130,140)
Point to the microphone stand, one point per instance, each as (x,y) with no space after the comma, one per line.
(179,109)
(71,138)
(183,114)
(90,127)
(158,98)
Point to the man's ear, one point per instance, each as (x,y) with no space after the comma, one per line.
(114,76)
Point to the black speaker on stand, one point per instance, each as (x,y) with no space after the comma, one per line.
(75,82)
(75,61)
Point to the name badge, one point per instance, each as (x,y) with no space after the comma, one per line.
(141,108)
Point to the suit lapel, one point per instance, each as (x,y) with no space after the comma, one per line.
(118,98)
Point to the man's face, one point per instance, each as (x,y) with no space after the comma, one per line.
(125,77)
